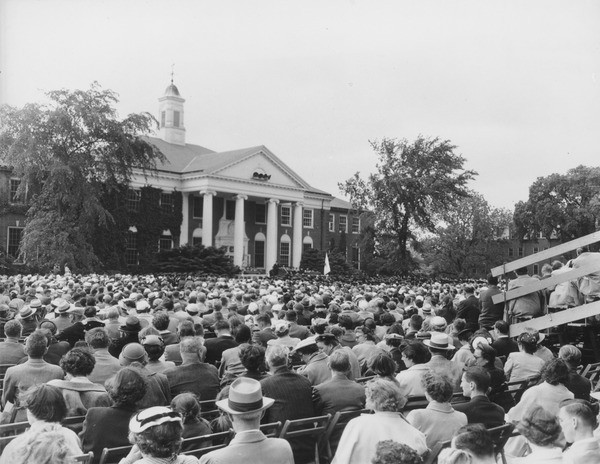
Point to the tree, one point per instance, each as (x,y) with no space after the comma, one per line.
(414,183)
(70,153)
(470,240)
(563,205)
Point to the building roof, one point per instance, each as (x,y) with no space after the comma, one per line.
(178,156)
(172,91)
(341,204)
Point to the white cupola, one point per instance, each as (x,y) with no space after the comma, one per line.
(170,116)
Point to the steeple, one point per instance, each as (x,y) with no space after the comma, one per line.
(170,115)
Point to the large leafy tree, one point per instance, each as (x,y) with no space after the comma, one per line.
(69,153)
(469,240)
(563,205)
(413,184)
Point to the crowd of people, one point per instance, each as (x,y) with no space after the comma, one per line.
(139,356)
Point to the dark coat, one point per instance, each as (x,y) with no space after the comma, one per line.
(468,309)
(105,428)
(216,346)
(200,379)
(504,346)
(481,410)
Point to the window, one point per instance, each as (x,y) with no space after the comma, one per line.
(536,269)
(133,200)
(14,240)
(307,218)
(511,252)
(175,118)
(356,225)
(286,216)
(14,188)
(261,213)
(259,253)
(131,252)
(284,254)
(520,252)
(331,223)
(166,202)
(307,243)
(198,207)
(536,250)
(343,227)
(230,210)
(165,242)
(163,116)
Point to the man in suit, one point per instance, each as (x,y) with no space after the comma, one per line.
(468,309)
(223,341)
(184,329)
(475,384)
(265,331)
(490,312)
(106,365)
(194,375)
(502,343)
(440,345)
(11,351)
(293,397)
(339,393)
(245,406)
(316,367)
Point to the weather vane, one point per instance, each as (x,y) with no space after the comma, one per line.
(172,72)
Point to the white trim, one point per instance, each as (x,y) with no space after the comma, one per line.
(340,223)
(289,216)
(331,222)
(312,218)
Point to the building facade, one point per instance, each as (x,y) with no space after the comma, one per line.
(246,200)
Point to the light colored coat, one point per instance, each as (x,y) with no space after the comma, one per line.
(252,446)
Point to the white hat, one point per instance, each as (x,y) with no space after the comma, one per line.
(245,395)
(152,417)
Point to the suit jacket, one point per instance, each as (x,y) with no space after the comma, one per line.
(201,379)
(481,410)
(252,446)
(11,351)
(293,400)
(338,394)
(468,309)
(34,372)
(216,346)
(262,337)
(438,421)
(316,369)
(106,366)
(105,428)
(490,312)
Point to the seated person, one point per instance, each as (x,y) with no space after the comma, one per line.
(578,419)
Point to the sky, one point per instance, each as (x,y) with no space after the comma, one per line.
(514,84)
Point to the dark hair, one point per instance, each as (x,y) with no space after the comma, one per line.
(555,371)
(127,387)
(243,334)
(479,376)
(383,365)
(392,452)
(263,319)
(475,439)
(97,338)
(387,319)
(186,329)
(492,280)
(502,327)
(539,426)
(339,361)
(488,353)
(528,342)
(160,441)
(187,405)
(13,328)
(45,402)
(222,325)
(161,321)
(252,357)
(345,321)
(417,352)
(438,386)
(154,351)
(78,362)
(416,321)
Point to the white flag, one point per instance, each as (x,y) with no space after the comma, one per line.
(326,269)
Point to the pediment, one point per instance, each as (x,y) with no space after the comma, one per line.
(264,165)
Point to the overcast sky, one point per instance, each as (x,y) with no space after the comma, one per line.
(514,84)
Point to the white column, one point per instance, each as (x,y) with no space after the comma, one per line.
(271,251)
(238,231)
(184,235)
(297,239)
(207,218)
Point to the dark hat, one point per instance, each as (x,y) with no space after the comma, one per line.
(326,337)
(132,324)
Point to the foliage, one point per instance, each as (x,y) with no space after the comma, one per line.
(69,152)
(563,205)
(314,260)
(413,185)
(470,241)
(188,258)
